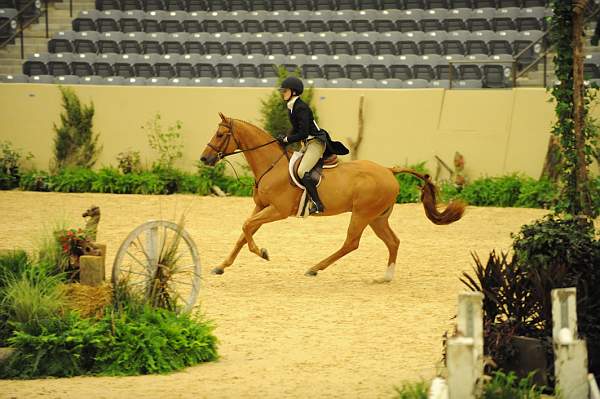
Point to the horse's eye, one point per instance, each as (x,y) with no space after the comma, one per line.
(219,135)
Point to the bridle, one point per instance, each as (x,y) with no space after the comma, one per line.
(221,154)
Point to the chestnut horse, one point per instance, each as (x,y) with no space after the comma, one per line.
(364,188)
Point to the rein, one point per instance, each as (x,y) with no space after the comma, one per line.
(222,155)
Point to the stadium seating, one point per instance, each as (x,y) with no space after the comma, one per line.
(332,43)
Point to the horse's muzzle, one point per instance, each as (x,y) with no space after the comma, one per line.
(210,160)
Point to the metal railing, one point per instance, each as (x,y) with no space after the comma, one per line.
(24,22)
(543,55)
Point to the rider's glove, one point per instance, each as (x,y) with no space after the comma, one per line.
(282,139)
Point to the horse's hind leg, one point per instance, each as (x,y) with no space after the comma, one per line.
(382,229)
(355,230)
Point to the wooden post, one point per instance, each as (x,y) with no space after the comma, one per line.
(92,268)
(570,353)
(584,199)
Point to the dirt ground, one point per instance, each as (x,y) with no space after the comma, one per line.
(284,335)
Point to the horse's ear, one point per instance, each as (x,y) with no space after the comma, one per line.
(223,118)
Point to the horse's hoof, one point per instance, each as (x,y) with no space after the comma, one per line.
(310,273)
(216,270)
(264,253)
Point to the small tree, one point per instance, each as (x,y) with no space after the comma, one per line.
(274,110)
(167,143)
(75,143)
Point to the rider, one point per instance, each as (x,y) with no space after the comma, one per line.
(304,129)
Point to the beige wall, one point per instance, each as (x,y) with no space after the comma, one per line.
(498,131)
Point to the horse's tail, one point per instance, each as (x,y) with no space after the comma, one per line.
(454,210)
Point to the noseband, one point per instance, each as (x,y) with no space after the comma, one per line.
(220,151)
(222,154)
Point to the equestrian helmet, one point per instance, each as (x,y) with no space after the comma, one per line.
(294,84)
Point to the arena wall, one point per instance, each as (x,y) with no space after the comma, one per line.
(498,131)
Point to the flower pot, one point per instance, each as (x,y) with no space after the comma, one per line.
(530,355)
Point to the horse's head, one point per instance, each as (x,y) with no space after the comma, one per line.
(222,143)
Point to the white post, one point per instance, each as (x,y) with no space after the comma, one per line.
(564,311)
(461,368)
(570,353)
(470,324)
(465,351)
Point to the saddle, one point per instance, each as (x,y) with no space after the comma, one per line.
(316,174)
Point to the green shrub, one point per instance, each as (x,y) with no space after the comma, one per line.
(537,194)
(108,180)
(409,184)
(10,165)
(416,390)
(12,263)
(75,144)
(509,386)
(493,191)
(136,340)
(35,180)
(32,298)
(147,340)
(73,180)
(63,347)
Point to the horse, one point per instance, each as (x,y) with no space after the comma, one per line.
(362,187)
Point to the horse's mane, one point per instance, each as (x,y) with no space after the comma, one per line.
(262,131)
(253,125)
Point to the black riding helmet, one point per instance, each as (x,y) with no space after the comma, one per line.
(294,84)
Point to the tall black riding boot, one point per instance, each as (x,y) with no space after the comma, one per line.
(311,188)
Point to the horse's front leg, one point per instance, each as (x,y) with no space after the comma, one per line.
(236,249)
(267,215)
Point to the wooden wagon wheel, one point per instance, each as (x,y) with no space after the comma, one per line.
(159,260)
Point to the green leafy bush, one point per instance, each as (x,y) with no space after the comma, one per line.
(136,340)
(63,347)
(536,194)
(10,165)
(72,180)
(35,180)
(493,191)
(509,386)
(152,340)
(409,184)
(12,263)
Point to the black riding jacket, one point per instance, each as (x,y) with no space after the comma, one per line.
(302,120)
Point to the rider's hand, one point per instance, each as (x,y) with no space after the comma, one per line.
(282,139)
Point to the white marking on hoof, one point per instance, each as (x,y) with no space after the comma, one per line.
(389,275)
(390,272)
